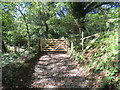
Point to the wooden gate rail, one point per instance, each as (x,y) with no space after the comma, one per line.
(53,45)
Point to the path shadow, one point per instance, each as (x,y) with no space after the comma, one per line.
(46,71)
(51,71)
(19,77)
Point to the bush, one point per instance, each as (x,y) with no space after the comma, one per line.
(9,57)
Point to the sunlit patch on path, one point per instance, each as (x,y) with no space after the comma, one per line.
(56,70)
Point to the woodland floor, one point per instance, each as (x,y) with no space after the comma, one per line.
(50,70)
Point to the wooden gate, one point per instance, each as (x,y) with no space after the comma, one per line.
(53,45)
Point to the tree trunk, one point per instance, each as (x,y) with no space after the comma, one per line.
(81,28)
(15,48)
(46,33)
(28,33)
(4,49)
(18,47)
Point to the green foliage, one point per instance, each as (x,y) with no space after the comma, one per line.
(107,56)
(23,22)
(9,57)
(104,52)
(78,57)
(105,59)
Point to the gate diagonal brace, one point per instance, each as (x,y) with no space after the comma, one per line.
(59,45)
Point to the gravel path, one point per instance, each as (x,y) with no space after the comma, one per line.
(56,70)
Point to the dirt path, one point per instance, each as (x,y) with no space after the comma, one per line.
(57,70)
(48,70)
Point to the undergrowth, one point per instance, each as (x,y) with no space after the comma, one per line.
(13,66)
(102,56)
(9,57)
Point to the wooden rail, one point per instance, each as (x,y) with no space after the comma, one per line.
(53,45)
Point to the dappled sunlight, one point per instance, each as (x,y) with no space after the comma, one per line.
(45,57)
(60,56)
(56,70)
(37,39)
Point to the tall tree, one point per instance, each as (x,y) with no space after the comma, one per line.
(7,23)
(80,10)
(18,8)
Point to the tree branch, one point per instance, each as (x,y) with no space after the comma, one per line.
(91,5)
(95,5)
